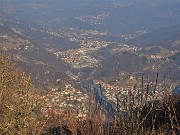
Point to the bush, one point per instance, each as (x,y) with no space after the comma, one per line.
(18,104)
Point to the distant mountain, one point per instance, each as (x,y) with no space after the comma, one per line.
(172,43)
(113,16)
(176,58)
(158,36)
(118,63)
(6,7)
(30,46)
(42,36)
(162,58)
(128,63)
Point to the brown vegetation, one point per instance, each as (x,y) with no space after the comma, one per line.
(18,104)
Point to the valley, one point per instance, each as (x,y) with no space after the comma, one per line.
(94,53)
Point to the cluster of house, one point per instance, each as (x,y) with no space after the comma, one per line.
(128,95)
(69,99)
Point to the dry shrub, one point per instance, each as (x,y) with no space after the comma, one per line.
(18,105)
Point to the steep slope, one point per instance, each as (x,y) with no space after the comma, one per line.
(157,37)
(32,47)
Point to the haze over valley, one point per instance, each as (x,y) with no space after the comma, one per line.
(82,52)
